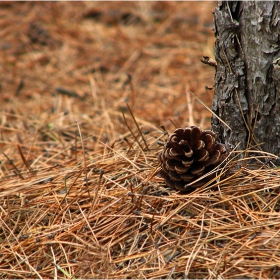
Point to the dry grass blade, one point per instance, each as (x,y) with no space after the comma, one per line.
(139,130)
(24,160)
(16,169)
(132,133)
(210,110)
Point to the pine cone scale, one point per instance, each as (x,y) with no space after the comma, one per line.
(174,176)
(203,155)
(175,152)
(187,163)
(187,177)
(181,169)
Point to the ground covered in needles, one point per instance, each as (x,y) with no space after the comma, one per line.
(89,93)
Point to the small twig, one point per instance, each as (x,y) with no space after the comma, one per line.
(84,156)
(209,61)
(125,120)
(140,132)
(132,95)
(176,126)
(96,192)
(210,110)
(65,273)
(20,87)
(190,108)
(25,161)
(55,264)
(67,92)
(16,169)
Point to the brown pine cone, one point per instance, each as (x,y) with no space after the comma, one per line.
(189,154)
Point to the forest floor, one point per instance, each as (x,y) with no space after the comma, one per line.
(87,91)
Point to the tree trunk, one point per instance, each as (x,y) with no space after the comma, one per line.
(247,80)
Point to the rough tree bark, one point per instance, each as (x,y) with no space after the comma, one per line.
(247,79)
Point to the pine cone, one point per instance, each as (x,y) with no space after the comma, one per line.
(189,154)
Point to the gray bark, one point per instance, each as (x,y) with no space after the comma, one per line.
(247,79)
